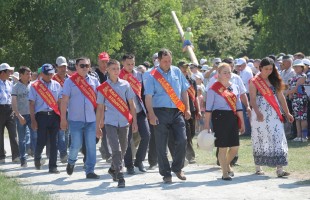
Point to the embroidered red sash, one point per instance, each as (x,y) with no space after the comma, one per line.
(57,78)
(229,97)
(85,88)
(192,94)
(46,95)
(267,93)
(133,81)
(107,91)
(169,90)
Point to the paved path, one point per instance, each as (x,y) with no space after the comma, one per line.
(203,182)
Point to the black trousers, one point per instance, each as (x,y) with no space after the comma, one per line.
(7,120)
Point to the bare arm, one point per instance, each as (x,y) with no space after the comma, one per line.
(21,119)
(99,119)
(240,116)
(134,115)
(34,124)
(187,113)
(207,120)
(244,100)
(253,92)
(283,104)
(149,106)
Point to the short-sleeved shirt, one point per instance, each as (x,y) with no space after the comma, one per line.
(287,74)
(188,35)
(234,79)
(152,87)
(112,116)
(246,75)
(40,105)
(79,106)
(5,92)
(217,102)
(21,91)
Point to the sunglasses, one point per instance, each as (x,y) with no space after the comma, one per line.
(84,65)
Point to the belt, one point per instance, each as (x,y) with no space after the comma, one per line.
(46,113)
(167,109)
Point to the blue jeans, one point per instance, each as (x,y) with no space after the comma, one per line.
(62,143)
(77,130)
(246,121)
(23,136)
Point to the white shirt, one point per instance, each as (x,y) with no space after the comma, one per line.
(246,75)
(287,74)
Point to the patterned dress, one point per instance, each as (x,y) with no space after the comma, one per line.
(268,137)
(300,99)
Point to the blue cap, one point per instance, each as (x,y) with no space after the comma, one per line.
(48,69)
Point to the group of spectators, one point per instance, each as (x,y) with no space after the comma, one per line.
(71,106)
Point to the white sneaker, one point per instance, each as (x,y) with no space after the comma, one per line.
(305,139)
(297,139)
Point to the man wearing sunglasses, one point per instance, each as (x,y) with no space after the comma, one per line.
(79,97)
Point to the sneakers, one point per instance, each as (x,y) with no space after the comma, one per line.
(297,139)
(131,170)
(70,169)
(92,176)
(304,139)
(64,159)
(121,183)
(112,173)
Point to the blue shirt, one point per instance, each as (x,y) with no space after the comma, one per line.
(136,99)
(112,116)
(217,102)
(40,105)
(79,106)
(5,92)
(160,98)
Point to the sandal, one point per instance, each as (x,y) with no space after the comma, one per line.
(260,172)
(282,174)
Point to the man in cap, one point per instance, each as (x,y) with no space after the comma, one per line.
(6,113)
(195,73)
(44,97)
(215,64)
(103,59)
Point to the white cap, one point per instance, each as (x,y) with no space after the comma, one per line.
(204,68)
(216,60)
(240,61)
(5,66)
(306,61)
(16,75)
(203,61)
(60,61)
(298,62)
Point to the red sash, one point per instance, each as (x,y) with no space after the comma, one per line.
(57,78)
(46,95)
(169,90)
(107,91)
(267,93)
(229,97)
(85,88)
(133,81)
(192,94)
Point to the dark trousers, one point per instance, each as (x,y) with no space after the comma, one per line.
(190,134)
(48,127)
(104,150)
(144,132)
(152,154)
(293,127)
(171,121)
(7,120)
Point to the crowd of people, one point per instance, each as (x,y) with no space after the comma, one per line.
(69,107)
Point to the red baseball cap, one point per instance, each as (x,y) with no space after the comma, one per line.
(104,56)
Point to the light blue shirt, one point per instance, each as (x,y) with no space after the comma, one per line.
(160,98)
(217,102)
(5,92)
(112,116)
(40,105)
(234,79)
(79,106)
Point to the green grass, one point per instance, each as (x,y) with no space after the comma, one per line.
(11,189)
(299,158)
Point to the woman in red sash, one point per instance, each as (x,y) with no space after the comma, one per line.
(224,103)
(268,137)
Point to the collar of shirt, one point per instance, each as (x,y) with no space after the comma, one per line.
(110,82)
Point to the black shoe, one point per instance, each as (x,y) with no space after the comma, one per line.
(70,169)
(141,167)
(131,170)
(53,171)
(112,173)
(92,176)
(37,164)
(23,163)
(152,167)
(121,183)
(226,178)
(167,179)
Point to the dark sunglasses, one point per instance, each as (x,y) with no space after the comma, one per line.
(84,65)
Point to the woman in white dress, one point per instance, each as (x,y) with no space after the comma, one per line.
(268,137)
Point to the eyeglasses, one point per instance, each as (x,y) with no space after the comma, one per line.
(84,65)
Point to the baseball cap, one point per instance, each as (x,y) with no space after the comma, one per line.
(60,61)
(104,56)
(203,61)
(298,62)
(204,68)
(48,69)
(155,55)
(240,61)
(182,64)
(306,61)
(216,60)
(5,66)
(71,65)
(16,75)
(192,65)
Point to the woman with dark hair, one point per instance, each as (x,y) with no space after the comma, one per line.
(268,137)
